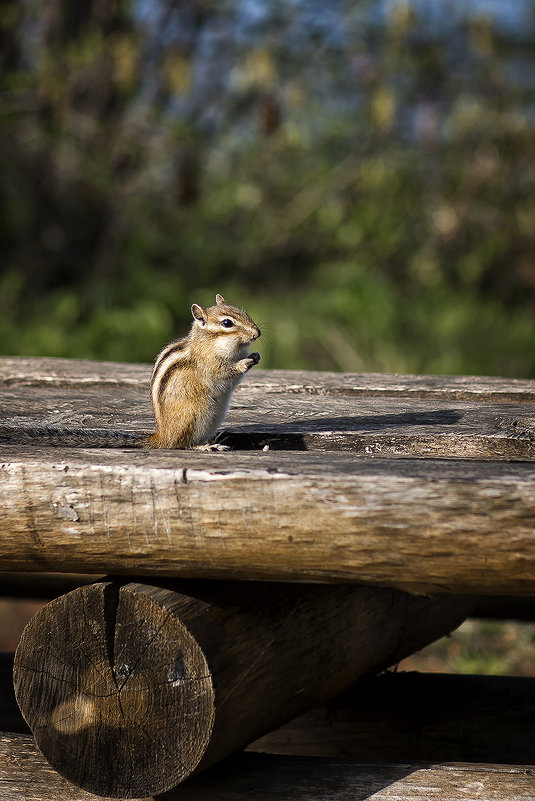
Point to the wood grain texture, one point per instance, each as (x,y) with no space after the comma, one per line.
(129,688)
(22,371)
(100,404)
(418,717)
(26,776)
(427,526)
(327,502)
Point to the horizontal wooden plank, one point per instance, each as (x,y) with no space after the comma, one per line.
(43,371)
(25,775)
(418,717)
(428,526)
(22,371)
(110,414)
(280,778)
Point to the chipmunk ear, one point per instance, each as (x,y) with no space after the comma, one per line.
(220,300)
(198,313)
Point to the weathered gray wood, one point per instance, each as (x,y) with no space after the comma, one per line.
(99,404)
(431,526)
(27,372)
(418,717)
(130,688)
(26,776)
(21,371)
(107,415)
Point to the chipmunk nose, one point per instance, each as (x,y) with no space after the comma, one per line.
(258,333)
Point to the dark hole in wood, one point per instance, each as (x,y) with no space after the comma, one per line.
(330,433)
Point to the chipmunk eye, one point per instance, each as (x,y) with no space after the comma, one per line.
(227,322)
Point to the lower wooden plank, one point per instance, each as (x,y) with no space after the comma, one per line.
(26,776)
(303,779)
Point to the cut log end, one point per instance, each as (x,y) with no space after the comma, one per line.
(129,688)
(109,711)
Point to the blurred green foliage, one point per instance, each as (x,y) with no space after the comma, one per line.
(479,647)
(372,204)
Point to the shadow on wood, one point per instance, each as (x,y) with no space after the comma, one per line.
(418,717)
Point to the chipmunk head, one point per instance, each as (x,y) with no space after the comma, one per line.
(231,328)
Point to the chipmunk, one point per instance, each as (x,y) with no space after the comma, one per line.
(193,378)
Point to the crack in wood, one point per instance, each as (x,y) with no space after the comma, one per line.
(111,593)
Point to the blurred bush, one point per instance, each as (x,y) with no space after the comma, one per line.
(359,176)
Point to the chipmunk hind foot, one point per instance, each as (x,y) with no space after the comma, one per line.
(211,447)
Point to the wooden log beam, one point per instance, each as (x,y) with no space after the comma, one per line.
(114,416)
(425,526)
(417,717)
(280,778)
(26,775)
(130,688)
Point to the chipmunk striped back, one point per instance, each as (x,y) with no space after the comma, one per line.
(193,378)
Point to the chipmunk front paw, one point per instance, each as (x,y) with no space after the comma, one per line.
(245,364)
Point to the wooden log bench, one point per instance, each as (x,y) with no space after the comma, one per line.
(357,518)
